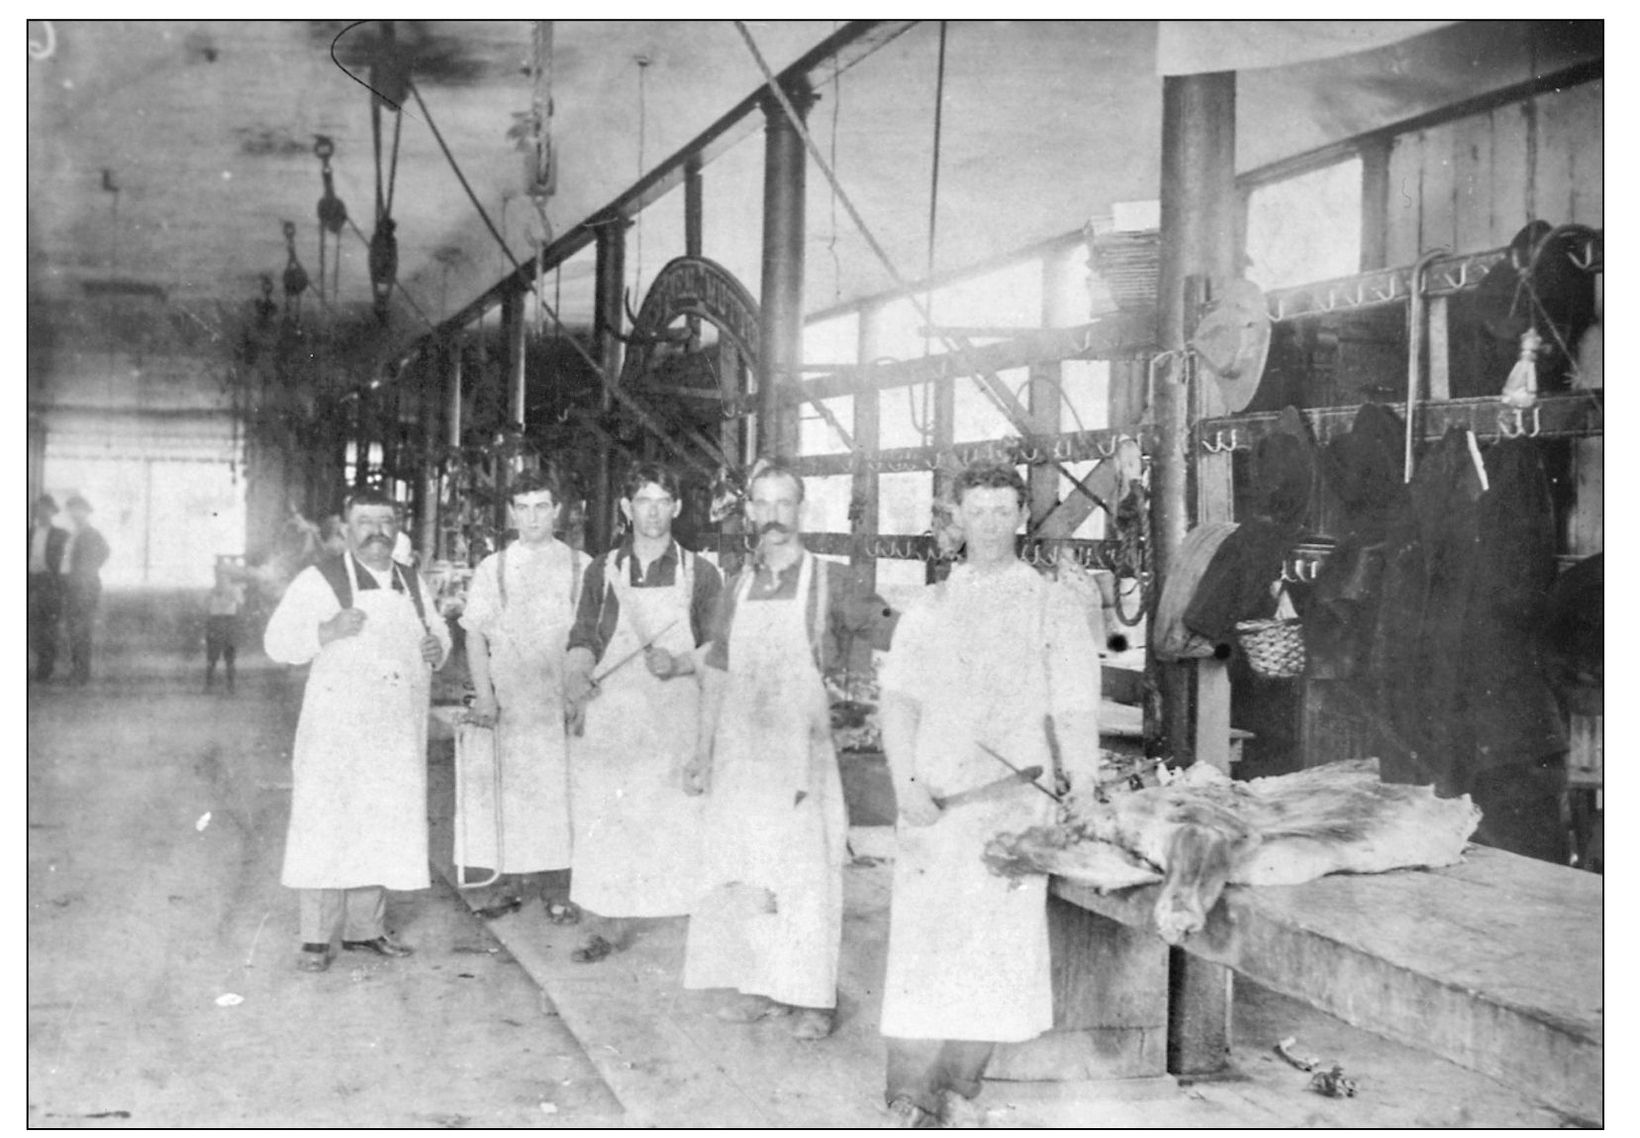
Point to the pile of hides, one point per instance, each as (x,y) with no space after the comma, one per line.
(1203,831)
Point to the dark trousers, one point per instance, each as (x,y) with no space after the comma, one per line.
(45,614)
(919,1069)
(358,914)
(80,606)
(221,638)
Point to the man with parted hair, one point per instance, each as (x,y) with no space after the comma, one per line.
(769,924)
(520,608)
(645,611)
(358,815)
(993,659)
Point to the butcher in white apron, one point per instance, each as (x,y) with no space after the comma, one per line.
(645,607)
(977,661)
(770,922)
(520,608)
(358,815)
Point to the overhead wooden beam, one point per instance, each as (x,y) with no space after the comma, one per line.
(818,67)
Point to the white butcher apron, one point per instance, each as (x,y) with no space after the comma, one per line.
(537,591)
(358,811)
(968,950)
(775,834)
(637,834)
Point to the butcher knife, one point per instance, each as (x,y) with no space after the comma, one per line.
(989,789)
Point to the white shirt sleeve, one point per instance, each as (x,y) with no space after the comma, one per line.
(483,608)
(292,636)
(901,671)
(435,622)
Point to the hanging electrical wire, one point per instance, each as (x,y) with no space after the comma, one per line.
(836,111)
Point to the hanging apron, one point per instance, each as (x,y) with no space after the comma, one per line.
(968,950)
(775,830)
(538,595)
(637,834)
(358,812)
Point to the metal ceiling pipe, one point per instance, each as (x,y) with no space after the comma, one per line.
(610,279)
(512,320)
(785,167)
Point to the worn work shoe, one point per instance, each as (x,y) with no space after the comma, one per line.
(812,1023)
(750,1009)
(381,946)
(958,1113)
(907,1115)
(313,958)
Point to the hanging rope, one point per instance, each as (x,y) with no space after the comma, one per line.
(332,212)
(643,107)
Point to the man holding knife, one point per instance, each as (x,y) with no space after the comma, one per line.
(994,674)
(645,608)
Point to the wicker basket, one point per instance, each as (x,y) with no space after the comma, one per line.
(1274,648)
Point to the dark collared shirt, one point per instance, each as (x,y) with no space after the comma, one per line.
(858,620)
(599,609)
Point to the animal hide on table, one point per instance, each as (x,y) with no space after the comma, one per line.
(1204,831)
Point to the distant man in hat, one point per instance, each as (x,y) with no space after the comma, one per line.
(45,585)
(358,812)
(82,585)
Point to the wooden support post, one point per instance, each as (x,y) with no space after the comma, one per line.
(609,277)
(1045,399)
(693,203)
(864,517)
(427,391)
(512,320)
(1375,190)
(1198,226)
(945,430)
(451,359)
(785,166)
(1439,341)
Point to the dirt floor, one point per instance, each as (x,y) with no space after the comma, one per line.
(162,991)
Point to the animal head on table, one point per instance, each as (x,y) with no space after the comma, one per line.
(1200,860)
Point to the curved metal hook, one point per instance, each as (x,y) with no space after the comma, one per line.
(1099,448)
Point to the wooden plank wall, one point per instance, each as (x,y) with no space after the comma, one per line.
(1472,183)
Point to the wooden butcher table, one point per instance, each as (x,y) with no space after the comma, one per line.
(1495,964)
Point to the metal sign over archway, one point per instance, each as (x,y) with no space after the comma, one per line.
(694,286)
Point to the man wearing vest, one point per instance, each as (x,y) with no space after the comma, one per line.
(646,606)
(358,813)
(769,924)
(519,610)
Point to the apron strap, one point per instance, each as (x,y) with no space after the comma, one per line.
(501,576)
(822,612)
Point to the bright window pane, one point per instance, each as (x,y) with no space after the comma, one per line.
(1306,228)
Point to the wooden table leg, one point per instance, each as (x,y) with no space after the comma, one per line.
(1198,1015)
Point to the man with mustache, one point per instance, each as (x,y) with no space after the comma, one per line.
(358,812)
(646,606)
(769,923)
(520,608)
